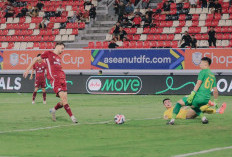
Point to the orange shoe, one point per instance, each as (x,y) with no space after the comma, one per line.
(222,108)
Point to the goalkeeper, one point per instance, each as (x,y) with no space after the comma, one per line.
(201,93)
(188,113)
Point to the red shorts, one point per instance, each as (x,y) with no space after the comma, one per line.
(59,85)
(40,83)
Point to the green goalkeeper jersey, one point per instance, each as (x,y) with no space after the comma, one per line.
(208,82)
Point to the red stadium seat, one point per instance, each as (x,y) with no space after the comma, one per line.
(150,37)
(170,37)
(159,30)
(105,44)
(98,45)
(204,37)
(43,45)
(91,45)
(225,29)
(153,44)
(217,16)
(125,44)
(153,30)
(195,17)
(182,23)
(139,44)
(225,5)
(174,44)
(157,37)
(195,23)
(130,37)
(219,36)
(226,36)
(146,30)
(136,37)
(209,17)
(182,17)
(163,37)
(10,45)
(167,44)
(160,44)
(214,23)
(75,32)
(178,30)
(218,29)
(132,44)
(133,30)
(146,44)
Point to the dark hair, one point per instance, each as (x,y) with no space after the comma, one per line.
(38,55)
(207,59)
(165,100)
(60,43)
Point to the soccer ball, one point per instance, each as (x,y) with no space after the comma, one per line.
(119,119)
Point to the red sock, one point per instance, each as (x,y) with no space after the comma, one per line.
(34,95)
(44,96)
(58,106)
(68,110)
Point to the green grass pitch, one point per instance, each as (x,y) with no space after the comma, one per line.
(27,130)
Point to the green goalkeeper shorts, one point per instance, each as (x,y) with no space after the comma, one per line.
(197,101)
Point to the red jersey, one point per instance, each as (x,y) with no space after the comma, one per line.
(137,20)
(54,65)
(40,70)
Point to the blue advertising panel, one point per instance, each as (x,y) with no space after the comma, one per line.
(138,59)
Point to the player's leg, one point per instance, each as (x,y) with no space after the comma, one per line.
(199,113)
(34,95)
(44,95)
(64,99)
(191,114)
(176,110)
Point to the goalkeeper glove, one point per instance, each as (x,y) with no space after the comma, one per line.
(190,97)
(215,103)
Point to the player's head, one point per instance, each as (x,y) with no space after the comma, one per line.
(59,48)
(40,60)
(205,63)
(167,103)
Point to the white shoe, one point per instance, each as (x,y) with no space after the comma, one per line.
(44,102)
(53,112)
(33,102)
(74,120)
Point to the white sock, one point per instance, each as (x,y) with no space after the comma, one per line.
(72,117)
(203,118)
(172,120)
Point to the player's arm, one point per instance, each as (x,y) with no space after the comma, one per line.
(193,93)
(30,66)
(32,72)
(197,86)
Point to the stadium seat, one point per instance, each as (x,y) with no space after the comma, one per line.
(139,44)
(146,44)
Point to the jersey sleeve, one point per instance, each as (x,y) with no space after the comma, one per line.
(44,54)
(201,76)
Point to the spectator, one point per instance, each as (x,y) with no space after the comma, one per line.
(34,12)
(193,3)
(92,12)
(39,5)
(166,8)
(122,34)
(145,4)
(116,6)
(9,11)
(23,12)
(187,40)
(193,42)
(137,21)
(125,21)
(149,12)
(87,2)
(85,16)
(217,7)
(59,11)
(147,21)
(211,4)
(44,23)
(137,12)
(129,8)
(212,38)
(116,29)
(121,11)
(100,72)
(112,44)
(125,2)
(230,3)
(75,18)
(203,3)
(29,7)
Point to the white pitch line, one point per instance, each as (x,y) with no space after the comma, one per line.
(203,152)
(58,126)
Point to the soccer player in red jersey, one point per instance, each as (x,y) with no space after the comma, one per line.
(57,78)
(39,67)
